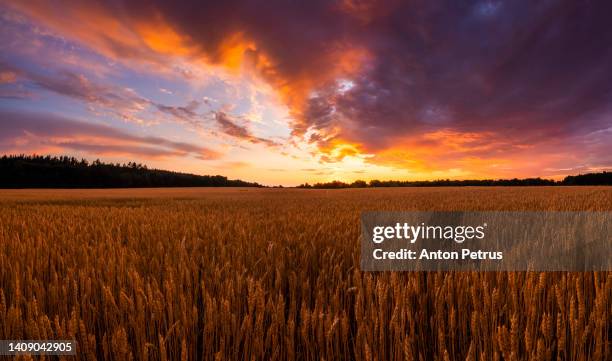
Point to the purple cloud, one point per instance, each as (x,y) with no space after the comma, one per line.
(231,128)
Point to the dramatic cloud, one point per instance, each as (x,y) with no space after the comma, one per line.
(42,132)
(231,128)
(428,85)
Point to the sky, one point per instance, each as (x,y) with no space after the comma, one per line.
(289,91)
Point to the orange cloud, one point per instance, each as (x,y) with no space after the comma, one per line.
(144,34)
(162,38)
(7,77)
(335,150)
(453,154)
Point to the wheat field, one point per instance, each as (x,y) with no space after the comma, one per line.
(273,274)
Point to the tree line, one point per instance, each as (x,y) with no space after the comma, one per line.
(35,171)
(25,171)
(603,178)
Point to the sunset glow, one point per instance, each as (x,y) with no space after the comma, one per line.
(282,92)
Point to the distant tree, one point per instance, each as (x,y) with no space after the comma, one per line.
(359,184)
(375,183)
(332,184)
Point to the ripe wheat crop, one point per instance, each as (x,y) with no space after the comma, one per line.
(269,274)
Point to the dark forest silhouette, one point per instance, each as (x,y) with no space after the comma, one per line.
(20,171)
(23,171)
(603,178)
